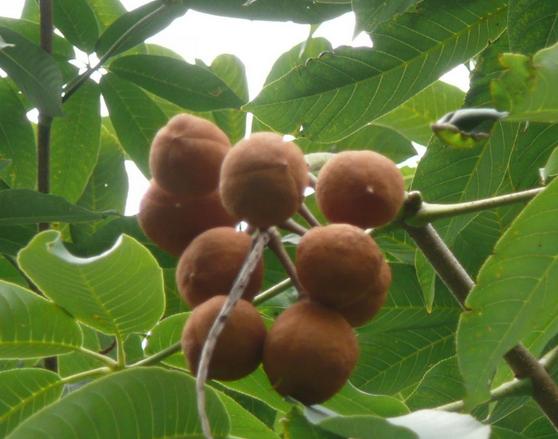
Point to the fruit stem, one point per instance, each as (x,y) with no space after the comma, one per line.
(159,356)
(429,212)
(458,281)
(308,216)
(83,375)
(292,226)
(259,241)
(277,247)
(107,360)
(78,81)
(272,292)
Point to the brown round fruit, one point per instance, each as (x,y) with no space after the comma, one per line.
(337,263)
(363,188)
(186,155)
(263,179)
(210,265)
(238,351)
(173,222)
(360,312)
(309,352)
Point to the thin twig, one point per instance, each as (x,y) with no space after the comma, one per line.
(292,226)
(77,82)
(430,212)
(458,281)
(276,289)
(43,134)
(84,375)
(240,283)
(515,387)
(545,391)
(277,247)
(511,388)
(443,260)
(308,216)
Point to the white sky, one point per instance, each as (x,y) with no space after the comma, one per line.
(257,43)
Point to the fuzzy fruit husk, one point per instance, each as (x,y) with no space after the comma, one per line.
(362,188)
(310,352)
(337,263)
(186,155)
(366,307)
(263,179)
(173,222)
(238,351)
(211,263)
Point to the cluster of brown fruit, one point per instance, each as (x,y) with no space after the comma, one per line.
(202,187)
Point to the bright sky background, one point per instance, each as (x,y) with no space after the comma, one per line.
(257,43)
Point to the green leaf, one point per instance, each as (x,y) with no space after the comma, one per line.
(351,401)
(153,17)
(107,233)
(377,138)
(76,362)
(17,141)
(75,143)
(297,56)
(9,273)
(440,385)
(551,167)
(532,25)
(413,118)
(525,88)
(297,426)
(24,206)
(404,341)
(166,333)
(231,70)
(372,13)
(129,404)
(30,29)
(135,117)
(106,11)
(24,392)
(107,188)
(528,421)
(77,22)
(33,70)
(299,11)
(32,327)
(12,238)
(361,427)
(31,11)
(243,423)
(512,298)
(337,93)
(118,292)
(188,85)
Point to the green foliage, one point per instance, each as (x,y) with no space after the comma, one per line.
(128,404)
(95,294)
(32,327)
(105,292)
